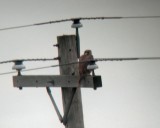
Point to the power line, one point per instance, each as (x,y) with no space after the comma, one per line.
(38,59)
(96,60)
(127,59)
(6,73)
(80,18)
(31,69)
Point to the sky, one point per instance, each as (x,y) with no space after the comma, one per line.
(130,95)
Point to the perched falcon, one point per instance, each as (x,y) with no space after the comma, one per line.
(83,63)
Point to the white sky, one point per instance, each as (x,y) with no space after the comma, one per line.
(130,95)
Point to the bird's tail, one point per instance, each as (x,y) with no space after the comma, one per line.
(80,79)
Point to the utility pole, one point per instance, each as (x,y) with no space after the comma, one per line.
(68,53)
(68,81)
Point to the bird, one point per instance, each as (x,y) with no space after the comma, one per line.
(84,61)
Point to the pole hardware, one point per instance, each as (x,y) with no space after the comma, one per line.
(69,106)
(56,45)
(18,65)
(54,104)
(76,24)
(57,58)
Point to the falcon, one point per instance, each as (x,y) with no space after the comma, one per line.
(84,61)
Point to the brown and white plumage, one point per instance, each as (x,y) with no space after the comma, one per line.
(83,63)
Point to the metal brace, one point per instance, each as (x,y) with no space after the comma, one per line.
(64,119)
(54,104)
(69,106)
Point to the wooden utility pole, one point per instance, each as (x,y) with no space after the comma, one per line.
(67,53)
(68,80)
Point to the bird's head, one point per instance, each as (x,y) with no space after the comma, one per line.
(87,52)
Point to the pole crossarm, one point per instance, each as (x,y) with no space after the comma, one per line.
(66,81)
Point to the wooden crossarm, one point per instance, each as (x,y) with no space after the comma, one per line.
(63,81)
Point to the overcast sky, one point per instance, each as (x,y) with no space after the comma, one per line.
(130,95)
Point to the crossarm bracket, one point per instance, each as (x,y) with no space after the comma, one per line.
(54,104)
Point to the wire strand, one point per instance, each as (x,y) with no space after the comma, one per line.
(77,62)
(38,59)
(72,19)
(96,59)
(127,59)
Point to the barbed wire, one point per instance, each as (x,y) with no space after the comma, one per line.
(77,62)
(80,18)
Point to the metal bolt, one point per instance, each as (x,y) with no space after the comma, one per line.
(56,45)
(57,58)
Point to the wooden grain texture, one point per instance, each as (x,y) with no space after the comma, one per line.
(66,81)
(67,53)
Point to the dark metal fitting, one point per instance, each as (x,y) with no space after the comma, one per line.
(57,58)
(20,88)
(56,45)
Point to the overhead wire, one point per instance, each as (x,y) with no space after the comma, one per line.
(72,19)
(77,62)
(96,59)
(80,18)
(127,59)
(38,59)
